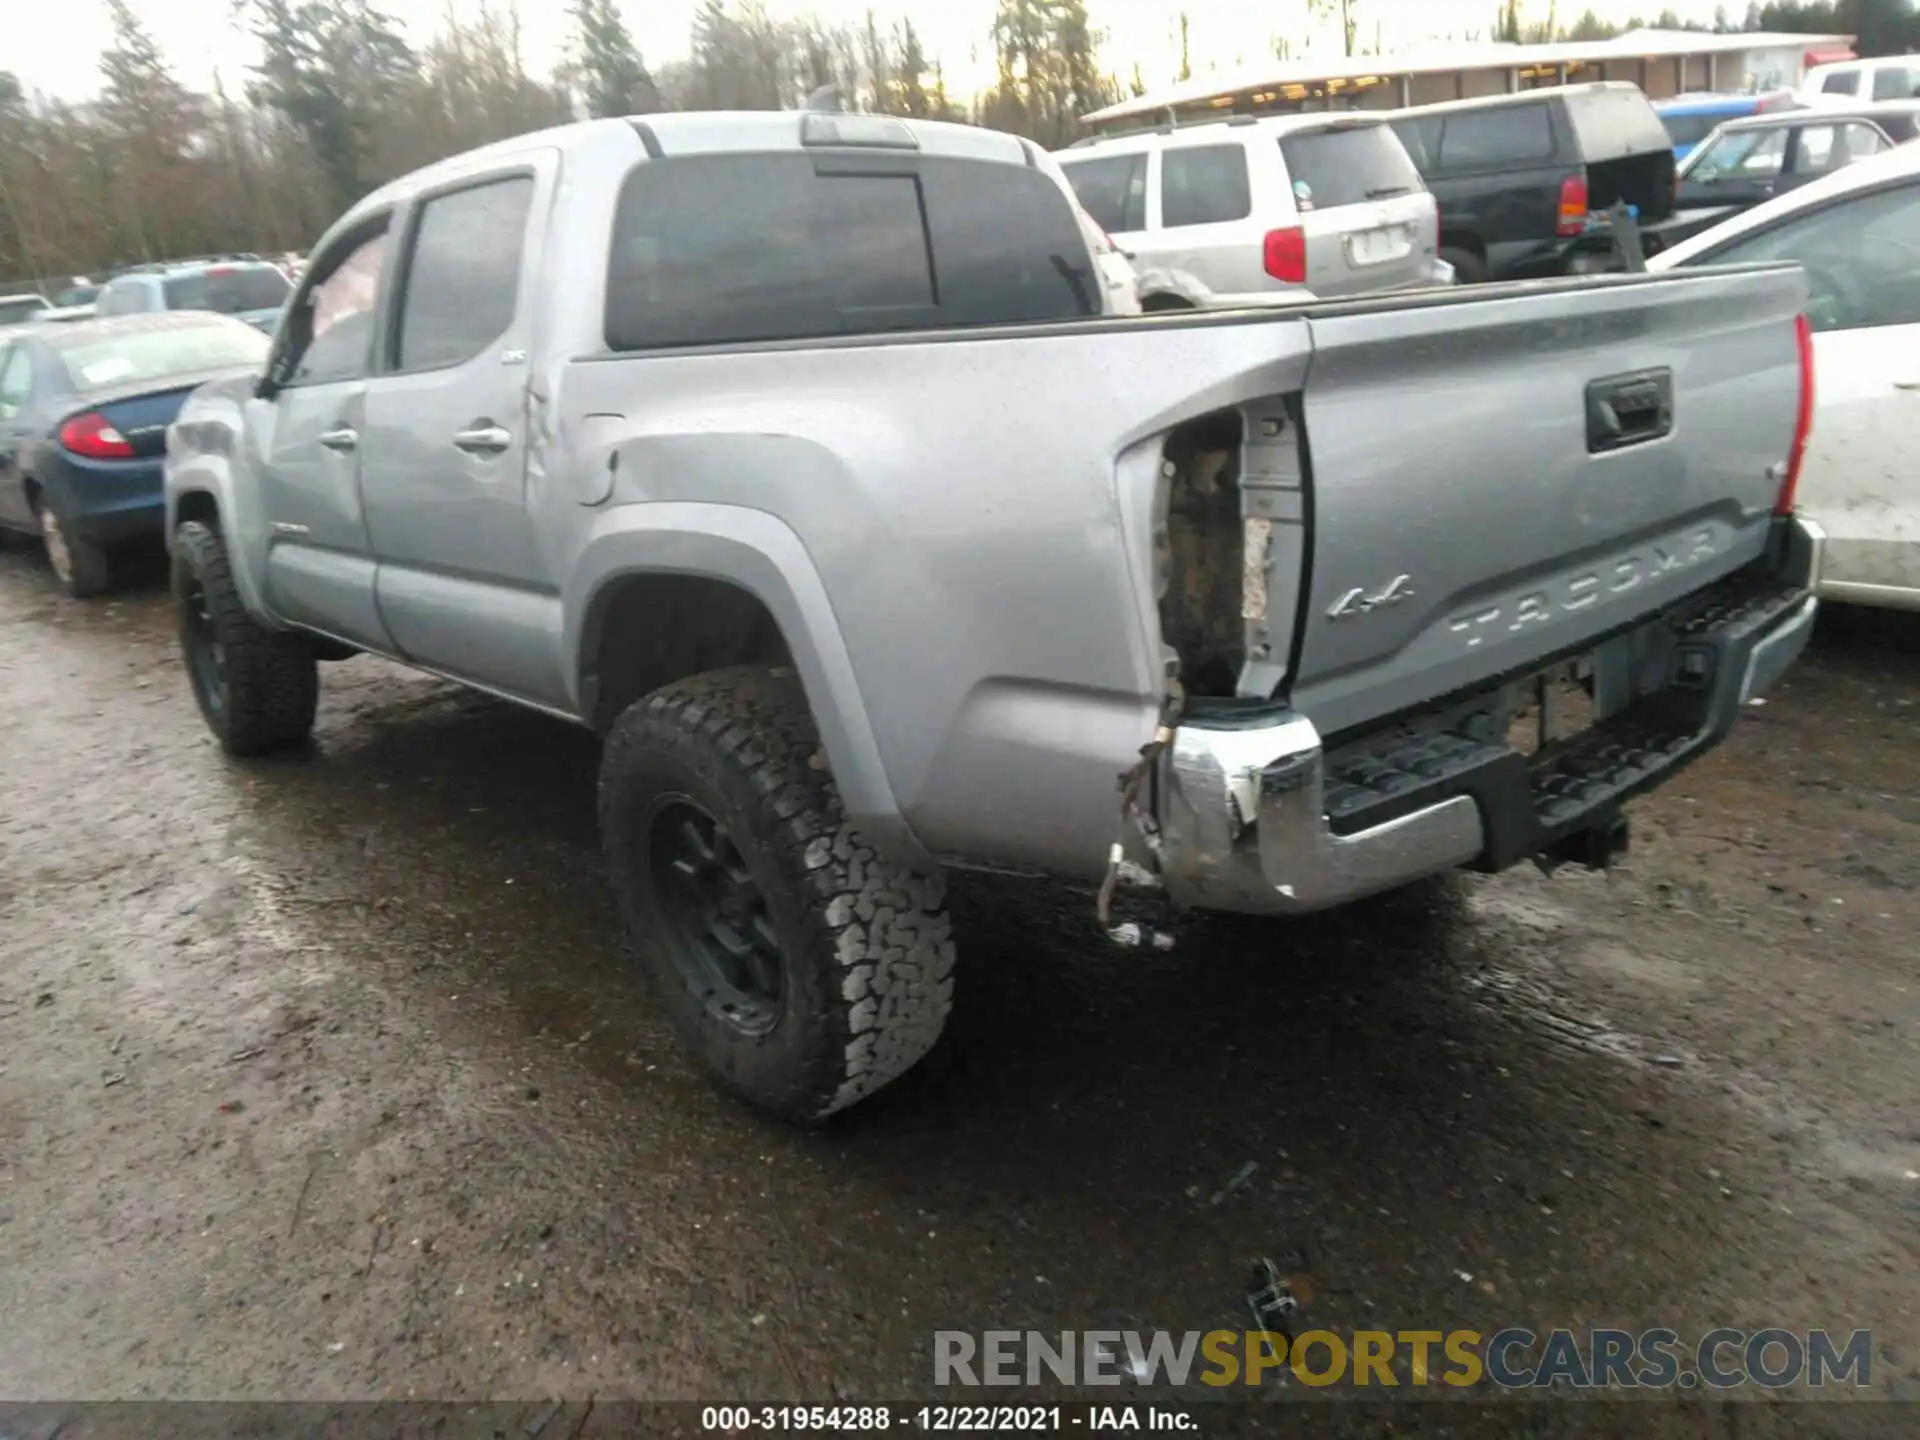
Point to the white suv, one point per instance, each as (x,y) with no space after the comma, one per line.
(1848,82)
(1253,210)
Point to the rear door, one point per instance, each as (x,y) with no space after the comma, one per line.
(1200,219)
(1470,513)
(1368,219)
(462,584)
(1112,189)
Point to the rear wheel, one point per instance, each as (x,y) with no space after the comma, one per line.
(803,970)
(257,688)
(1468,267)
(80,567)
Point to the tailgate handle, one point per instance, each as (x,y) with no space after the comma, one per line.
(1625,410)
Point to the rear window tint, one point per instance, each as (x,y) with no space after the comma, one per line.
(1112,189)
(718,249)
(228,290)
(158,355)
(1496,137)
(1347,166)
(1204,185)
(1690,129)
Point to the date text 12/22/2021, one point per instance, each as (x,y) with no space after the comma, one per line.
(948,1419)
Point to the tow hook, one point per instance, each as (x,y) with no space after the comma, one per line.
(1596,847)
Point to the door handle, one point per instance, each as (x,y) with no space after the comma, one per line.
(343,439)
(483,440)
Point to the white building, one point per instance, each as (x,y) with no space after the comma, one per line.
(1660,62)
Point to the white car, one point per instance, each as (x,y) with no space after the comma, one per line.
(1848,82)
(1856,232)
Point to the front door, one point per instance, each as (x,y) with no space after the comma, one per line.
(319,571)
(461,584)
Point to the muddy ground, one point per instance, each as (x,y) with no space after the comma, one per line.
(327,1077)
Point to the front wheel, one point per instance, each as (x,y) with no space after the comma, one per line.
(803,970)
(257,688)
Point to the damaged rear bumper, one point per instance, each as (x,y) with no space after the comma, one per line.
(1260,814)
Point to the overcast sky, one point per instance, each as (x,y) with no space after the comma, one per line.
(203,36)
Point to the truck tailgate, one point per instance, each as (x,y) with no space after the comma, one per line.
(1494,480)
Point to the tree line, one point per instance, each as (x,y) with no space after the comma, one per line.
(341,100)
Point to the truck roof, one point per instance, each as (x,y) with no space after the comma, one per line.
(709,132)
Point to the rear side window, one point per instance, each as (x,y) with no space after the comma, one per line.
(1893,82)
(1204,185)
(1841,82)
(463,274)
(227,290)
(1831,147)
(720,249)
(1346,166)
(1498,136)
(1113,190)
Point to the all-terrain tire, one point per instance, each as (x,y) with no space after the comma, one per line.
(866,947)
(261,692)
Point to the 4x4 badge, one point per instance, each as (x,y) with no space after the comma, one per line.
(1358,602)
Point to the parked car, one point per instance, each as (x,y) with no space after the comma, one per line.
(247,289)
(1257,210)
(1848,82)
(81,292)
(1524,181)
(1857,235)
(24,306)
(1689,119)
(1746,162)
(84,410)
(801,456)
(62,315)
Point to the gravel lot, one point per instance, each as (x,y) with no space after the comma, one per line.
(327,1077)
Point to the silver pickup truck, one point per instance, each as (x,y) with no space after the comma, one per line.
(805,458)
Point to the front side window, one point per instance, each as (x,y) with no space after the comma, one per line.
(1204,185)
(1112,189)
(733,249)
(1754,155)
(1861,256)
(329,331)
(463,278)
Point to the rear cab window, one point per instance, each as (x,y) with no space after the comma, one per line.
(739,248)
(1347,165)
(1204,185)
(227,289)
(1112,190)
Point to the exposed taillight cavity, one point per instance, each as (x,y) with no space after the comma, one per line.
(1285,253)
(1573,206)
(1802,420)
(93,436)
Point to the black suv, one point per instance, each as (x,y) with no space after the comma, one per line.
(1524,181)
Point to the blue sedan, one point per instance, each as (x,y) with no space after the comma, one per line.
(84,411)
